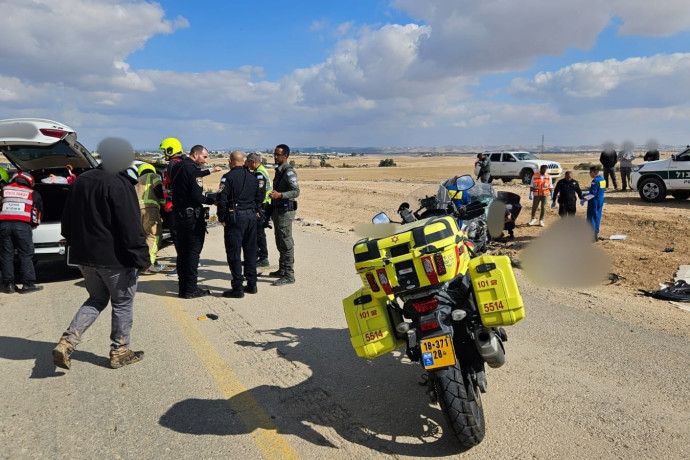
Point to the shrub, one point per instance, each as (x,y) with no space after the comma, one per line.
(584,166)
(387,162)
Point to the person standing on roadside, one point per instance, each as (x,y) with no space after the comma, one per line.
(595,200)
(149,190)
(254,164)
(21,211)
(651,155)
(285,190)
(239,199)
(608,160)
(566,193)
(102,225)
(188,200)
(483,168)
(625,159)
(540,188)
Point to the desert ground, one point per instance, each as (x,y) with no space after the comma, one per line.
(335,199)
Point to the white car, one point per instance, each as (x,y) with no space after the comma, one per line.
(656,179)
(509,165)
(44,148)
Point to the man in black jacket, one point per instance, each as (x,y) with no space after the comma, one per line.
(608,160)
(239,199)
(566,193)
(102,226)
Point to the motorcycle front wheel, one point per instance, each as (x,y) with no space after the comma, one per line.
(461,404)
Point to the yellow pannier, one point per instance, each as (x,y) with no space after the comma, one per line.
(496,290)
(372,324)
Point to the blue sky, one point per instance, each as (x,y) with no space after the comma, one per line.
(400,73)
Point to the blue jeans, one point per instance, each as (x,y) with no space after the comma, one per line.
(117,285)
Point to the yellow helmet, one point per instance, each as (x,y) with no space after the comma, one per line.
(145,167)
(4,176)
(170,147)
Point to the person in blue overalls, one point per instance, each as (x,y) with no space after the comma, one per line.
(595,205)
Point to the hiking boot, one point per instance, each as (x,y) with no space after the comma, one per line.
(197,293)
(9,288)
(155,268)
(29,287)
(62,353)
(148,271)
(262,263)
(122,358)
(532,222)
(541,223)
(234,294)
(277,274)
(283,281)
(251,289)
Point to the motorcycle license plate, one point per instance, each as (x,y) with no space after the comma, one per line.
(437,352)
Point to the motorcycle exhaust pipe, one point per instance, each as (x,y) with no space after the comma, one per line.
(490,347)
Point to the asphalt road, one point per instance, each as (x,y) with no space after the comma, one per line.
(275,377)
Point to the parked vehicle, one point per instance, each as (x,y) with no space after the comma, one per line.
(50,152)
(426,289)
(656,179)
(521,165)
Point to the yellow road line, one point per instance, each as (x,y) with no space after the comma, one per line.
(263,432)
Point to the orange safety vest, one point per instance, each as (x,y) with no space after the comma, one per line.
(542,185)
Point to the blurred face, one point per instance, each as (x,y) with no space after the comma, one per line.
(568,176)
(542,170)
(252,165)
(278,156)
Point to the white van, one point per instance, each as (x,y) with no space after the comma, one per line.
(656,179)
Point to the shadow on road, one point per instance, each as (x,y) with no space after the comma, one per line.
(17,348)
(53,271)
(377,404)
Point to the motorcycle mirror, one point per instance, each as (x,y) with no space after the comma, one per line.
(464,182)
(496,218)
(381,218)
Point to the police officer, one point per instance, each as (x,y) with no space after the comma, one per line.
(239,199)
(22,209)
(254,164)
(285,190)
(188,200)
(566,193)
(483,168)
(595,205)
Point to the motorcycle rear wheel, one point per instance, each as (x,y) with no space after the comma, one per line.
(461,404)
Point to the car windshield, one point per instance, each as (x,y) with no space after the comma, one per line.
(60,154)
(525,156)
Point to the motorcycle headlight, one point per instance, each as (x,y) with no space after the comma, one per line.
(637,167)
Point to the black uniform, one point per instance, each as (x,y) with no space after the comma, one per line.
(608,160)
(239,199)
(651,155)
(567,193)
(188,199)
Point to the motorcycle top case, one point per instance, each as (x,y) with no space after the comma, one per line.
(370,321)
(420,254)
(496,290)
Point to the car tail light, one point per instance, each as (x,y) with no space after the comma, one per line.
(425,306)
(428,325)
(429,270)
(51,132)
(440,265)
(383,280)
(372,282)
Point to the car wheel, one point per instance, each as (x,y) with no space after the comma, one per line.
(652,190)
(681,195)
(526,176)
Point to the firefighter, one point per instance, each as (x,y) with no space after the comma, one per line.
(540,188)
(254,164)
(595,197)
(149,189)
(22,210)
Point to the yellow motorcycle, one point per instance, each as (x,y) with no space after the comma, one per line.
(425,288)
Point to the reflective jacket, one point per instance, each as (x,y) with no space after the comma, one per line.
(21,203)
(541,185)
(150,191)
(264,182)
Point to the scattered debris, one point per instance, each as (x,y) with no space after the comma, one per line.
(668,249)
(682,307)
(208,316)
(680,291)
(618,237)
(614,278)
(316,222)
(683,273)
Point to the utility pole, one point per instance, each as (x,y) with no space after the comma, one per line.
(542,144)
